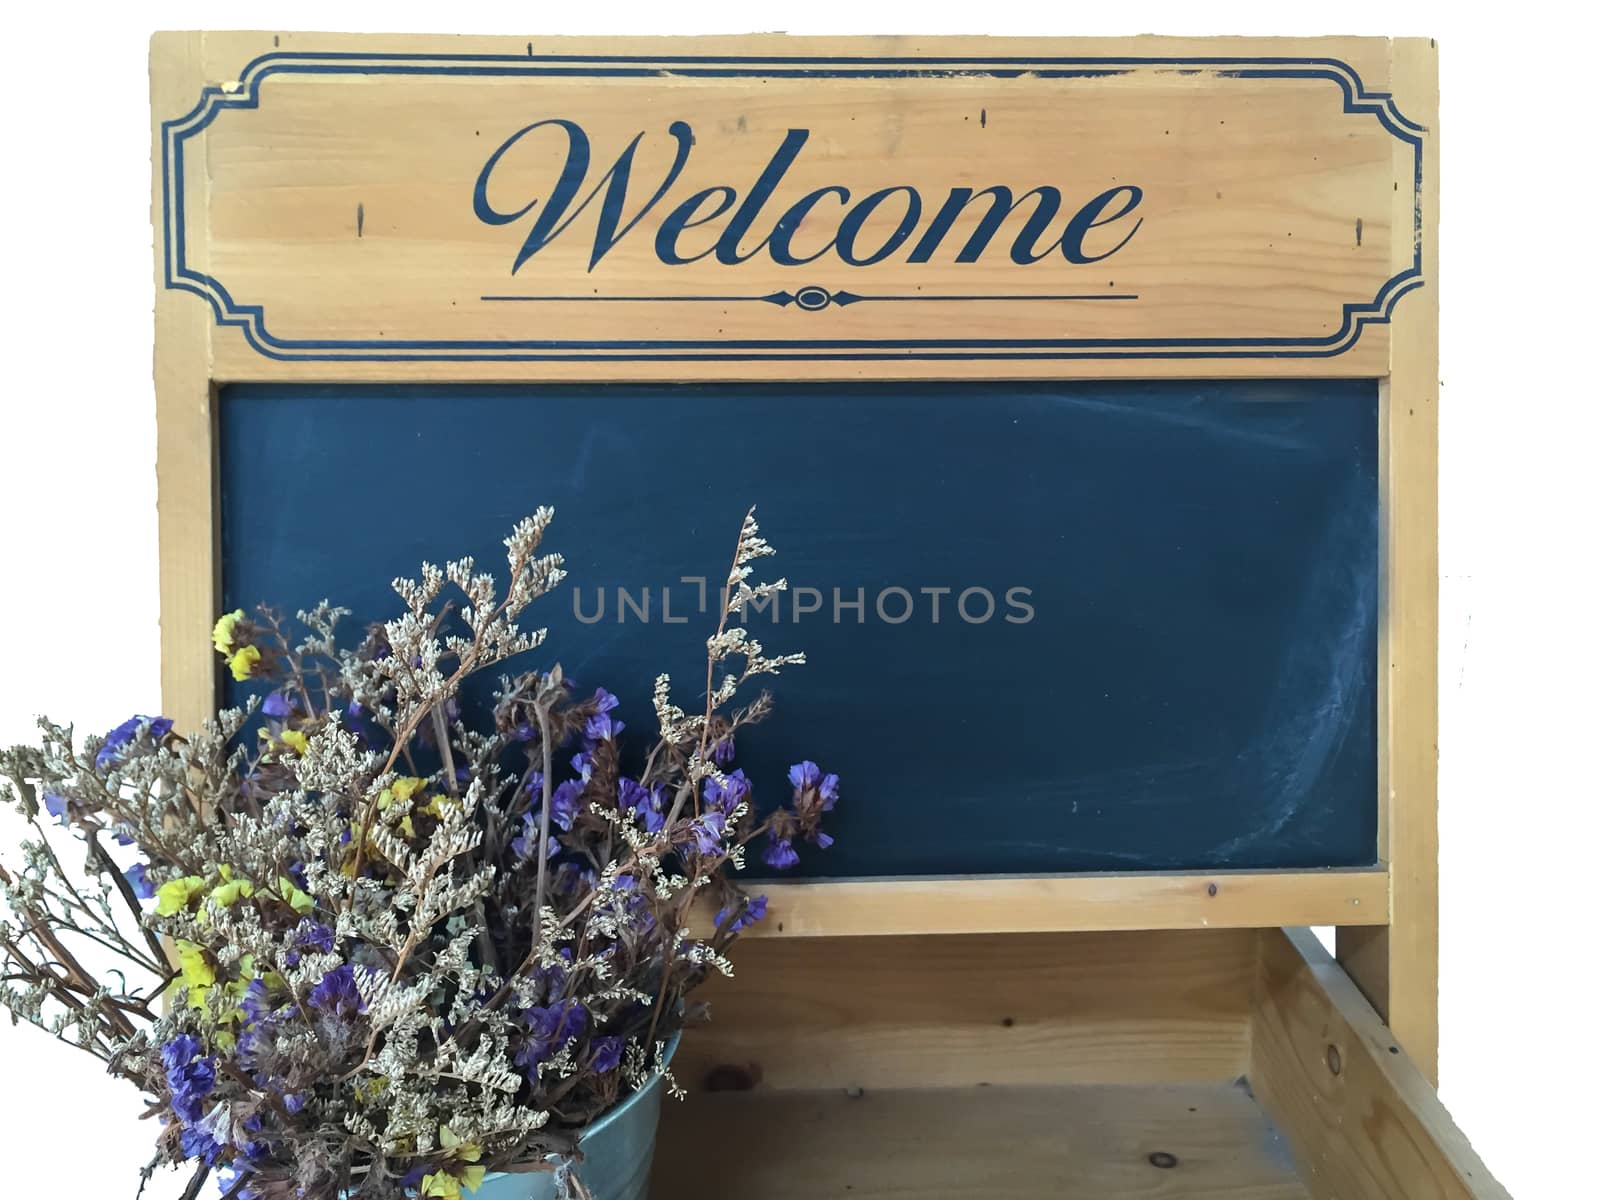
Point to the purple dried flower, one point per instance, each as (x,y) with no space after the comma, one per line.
(228,1176)
(804,775)
(754,910)
(309,935)
(565,804)
(727,794)
(255,1003)
(813,791)
(828,789)
(58,807)
(180,1051)
(276,705)
(645,805)
(115,741)
(780,855)
(707,832)
(549,1030)
(198,1143)
(527,842)
(138,877)
(602,727)
(190,1075)
(607,1054)
(337,993)
(120,739)
(722,752)
(523,844)
(554,977)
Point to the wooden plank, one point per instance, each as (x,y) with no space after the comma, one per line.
(1263,190)
(185,472)
(1398,968)
(1155,900)
(1198,1142)
(963,1010)
(1364,1121)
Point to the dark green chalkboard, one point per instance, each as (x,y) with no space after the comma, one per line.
(1178,670)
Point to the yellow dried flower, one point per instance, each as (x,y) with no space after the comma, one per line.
(222,631)
(231,890)
(195,972)
(243,663)
(448,1187)
(178,894)
(298,900)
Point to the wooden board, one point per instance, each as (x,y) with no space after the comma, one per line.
(1363,1119)
(1090,1142)
(1398,968)
(1076,903)
(498,202)
(956,1011)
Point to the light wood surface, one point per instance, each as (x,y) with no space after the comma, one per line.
(1364,1121)
(1398,967)
(1145,900)
(956,1011)
(999,1143)
(1250,1058)
(331,214)
(185,425)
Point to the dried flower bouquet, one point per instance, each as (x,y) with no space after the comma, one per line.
(386,946)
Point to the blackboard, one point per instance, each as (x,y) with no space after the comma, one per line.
(1178,670)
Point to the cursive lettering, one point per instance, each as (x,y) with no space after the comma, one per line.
(835,221)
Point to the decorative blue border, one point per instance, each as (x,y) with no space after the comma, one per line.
(251,319)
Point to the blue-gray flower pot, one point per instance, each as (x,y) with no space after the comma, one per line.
(617,1150)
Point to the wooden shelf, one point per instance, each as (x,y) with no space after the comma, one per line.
(1139,900)
(1090,1142)
(1026,1066)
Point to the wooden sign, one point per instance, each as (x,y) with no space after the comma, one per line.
(723,207)
(1146,328)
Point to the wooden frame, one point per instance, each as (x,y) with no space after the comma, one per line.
(1387,916)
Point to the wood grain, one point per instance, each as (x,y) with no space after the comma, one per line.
(185,457)
(1000,1143)
(1398,968)
(956,1011)
(1152,900)
(342,205)
(1364,1121)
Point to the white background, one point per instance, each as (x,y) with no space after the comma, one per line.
(1518,493)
